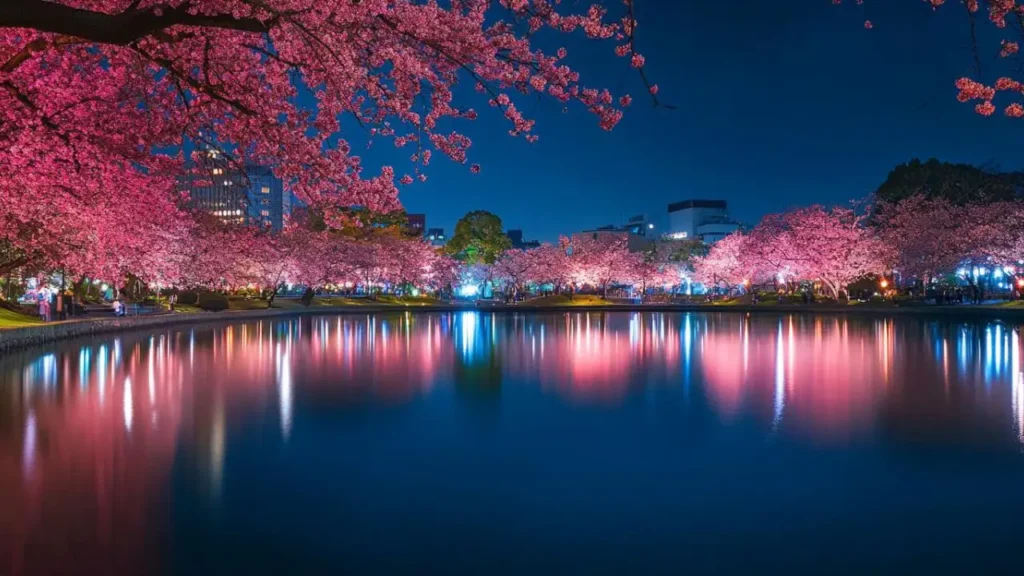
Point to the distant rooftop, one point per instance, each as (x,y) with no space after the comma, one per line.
(687,204)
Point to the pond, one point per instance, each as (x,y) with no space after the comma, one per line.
(477,443)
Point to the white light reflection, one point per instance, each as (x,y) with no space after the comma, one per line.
(468,326)
(217,447)
(128,412)
(101,372)
(1018,386)
(1000,359)
(83,367)
(152,375)
(46,370)
(687,341)
(989,356)
(780,380)
(284,392)
(28,451)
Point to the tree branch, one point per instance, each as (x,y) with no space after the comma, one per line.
(122,28)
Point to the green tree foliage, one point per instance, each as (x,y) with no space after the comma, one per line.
(959,183)
(478,239)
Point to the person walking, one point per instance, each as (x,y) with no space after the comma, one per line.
(43,306)
(59,306)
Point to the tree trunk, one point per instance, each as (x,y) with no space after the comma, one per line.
(8,267)
(835,290)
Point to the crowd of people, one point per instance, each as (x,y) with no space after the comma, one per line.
(56,305)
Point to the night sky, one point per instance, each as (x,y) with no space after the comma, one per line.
(778,103)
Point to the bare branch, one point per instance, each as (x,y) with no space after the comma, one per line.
(122,28)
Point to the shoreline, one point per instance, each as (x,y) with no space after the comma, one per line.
(12,339)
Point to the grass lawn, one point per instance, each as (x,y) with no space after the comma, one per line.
(240,303)
(247,304)
(1008,304)
(11,319)
(408,300)
(339,301)
(563,300)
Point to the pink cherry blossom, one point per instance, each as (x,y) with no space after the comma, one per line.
(999,11)
(105,103)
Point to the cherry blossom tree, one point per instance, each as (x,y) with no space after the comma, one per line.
(322,258)
(832,246)
(212,254)
(514,268)
(725,263)
(104,103)
(931,235)
(412,261)
(475,275)
(769,252)
(645,273)
(441,274)
(600,261)
(95,227)
(551,264)
(1001,232)
(1006,25)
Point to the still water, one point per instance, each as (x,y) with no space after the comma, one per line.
(514,444)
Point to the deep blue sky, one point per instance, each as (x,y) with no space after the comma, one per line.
(778,103)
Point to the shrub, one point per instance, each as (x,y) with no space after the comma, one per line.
(213,302)
(188,298)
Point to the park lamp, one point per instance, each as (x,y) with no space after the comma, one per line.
(1020,283)
(884,283)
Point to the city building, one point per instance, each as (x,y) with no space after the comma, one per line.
(706,220)
(253,196)
(436,237)
(516,236)
(638,229)
(639,225)
(416,224)
(636,242)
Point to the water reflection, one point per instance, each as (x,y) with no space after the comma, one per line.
(89,432)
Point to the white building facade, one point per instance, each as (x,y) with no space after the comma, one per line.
(706,220)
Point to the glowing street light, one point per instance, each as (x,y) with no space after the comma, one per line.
(884,283)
